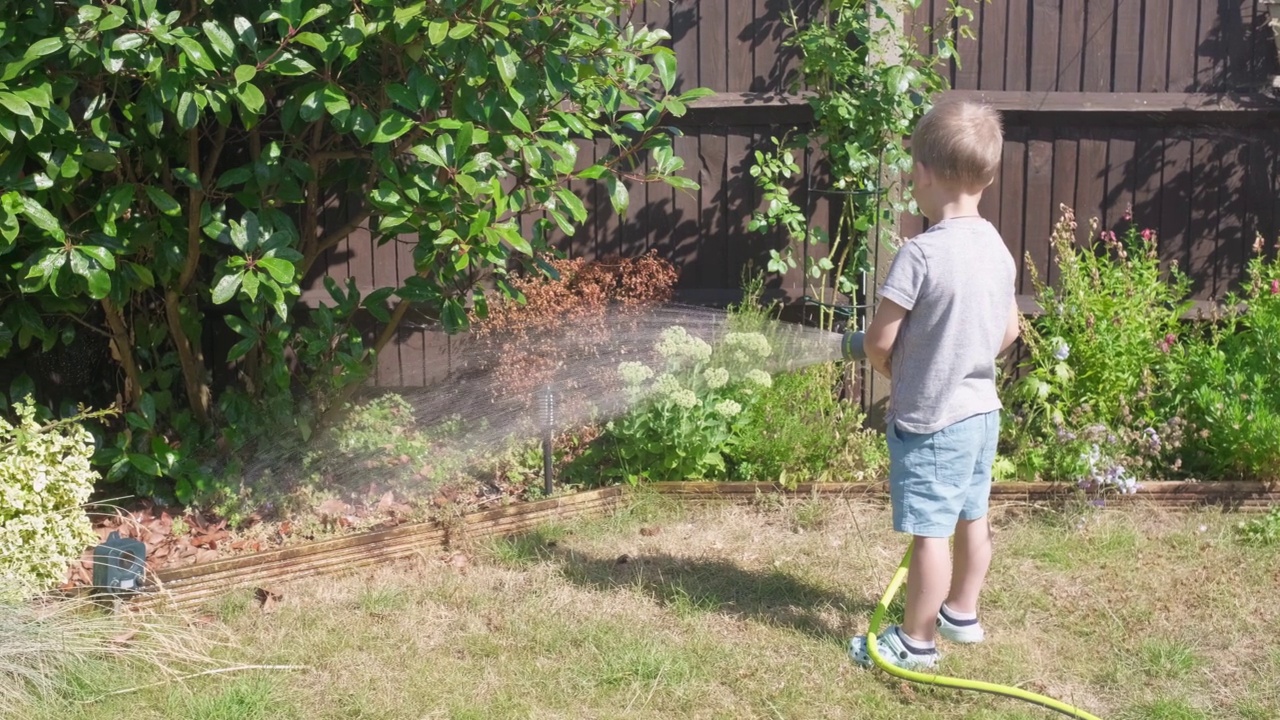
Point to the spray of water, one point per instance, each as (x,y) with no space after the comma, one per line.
(493,401)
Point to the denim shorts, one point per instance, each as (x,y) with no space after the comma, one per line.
(939,478)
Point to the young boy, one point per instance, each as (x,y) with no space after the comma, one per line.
(947,312)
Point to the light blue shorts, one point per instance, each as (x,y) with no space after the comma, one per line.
(939,478)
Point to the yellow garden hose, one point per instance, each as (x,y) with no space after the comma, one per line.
(877,618)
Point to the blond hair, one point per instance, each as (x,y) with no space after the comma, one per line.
(960,142)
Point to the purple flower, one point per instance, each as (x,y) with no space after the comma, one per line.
(1062,351)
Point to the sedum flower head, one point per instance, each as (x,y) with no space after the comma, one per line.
(752,344)
(634,373)
(676,344)
(716,378)
(728,408)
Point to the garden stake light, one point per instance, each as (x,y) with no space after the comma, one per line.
(853,349)
(546,401)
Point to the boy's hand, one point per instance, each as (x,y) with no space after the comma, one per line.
(881,335)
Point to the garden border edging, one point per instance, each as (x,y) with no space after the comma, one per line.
(183,588)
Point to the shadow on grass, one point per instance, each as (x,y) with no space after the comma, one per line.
(691,586)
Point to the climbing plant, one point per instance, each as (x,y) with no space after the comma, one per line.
(867,81)
(172,168)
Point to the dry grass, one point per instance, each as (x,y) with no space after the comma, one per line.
(46,645)
(736,612)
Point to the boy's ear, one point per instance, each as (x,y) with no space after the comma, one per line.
(920,175)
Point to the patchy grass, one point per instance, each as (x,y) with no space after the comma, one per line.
(744,612)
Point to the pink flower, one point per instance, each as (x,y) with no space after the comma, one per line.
(1128,213)
(1148,234)
(1167,344)
(1275,287)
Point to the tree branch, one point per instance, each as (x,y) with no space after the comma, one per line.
(211,167)
(124,346)
(195,199)
(333,238)
(190,358)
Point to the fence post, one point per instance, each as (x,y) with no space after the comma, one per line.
(875,387)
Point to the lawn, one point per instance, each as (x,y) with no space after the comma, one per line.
(743,612)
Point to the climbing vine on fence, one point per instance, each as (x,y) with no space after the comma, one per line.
(868,81)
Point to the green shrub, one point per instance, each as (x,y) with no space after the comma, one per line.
(1094,403)
(690,410)
(1231,385)
(171,173)
(801,430)
(45,479)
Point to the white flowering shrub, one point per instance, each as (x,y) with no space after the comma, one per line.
(45,479)
(690,409)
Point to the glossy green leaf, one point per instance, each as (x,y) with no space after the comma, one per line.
(226,288)
(506,61)
(282,271)
(437,31)
(393,125)
(129,41)
(619,196)
(219,39)
(162,201)
(196,53)
(101,255)
(41,217)
(251,282)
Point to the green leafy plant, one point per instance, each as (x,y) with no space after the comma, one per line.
(45,480)
(801,430)
(691,410)
(167,172)
(1093,404)
(1262,531)
(868,83)
(1230,386)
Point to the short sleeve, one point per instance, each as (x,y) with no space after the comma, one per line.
(906,276)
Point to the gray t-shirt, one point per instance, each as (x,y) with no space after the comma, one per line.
(957,282)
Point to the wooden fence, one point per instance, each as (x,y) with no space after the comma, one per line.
(1167,106)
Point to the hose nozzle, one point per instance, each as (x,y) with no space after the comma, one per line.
(851,345)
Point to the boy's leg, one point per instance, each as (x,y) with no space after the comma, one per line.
(958,619)
(926,586)
(928,480)
(973,558)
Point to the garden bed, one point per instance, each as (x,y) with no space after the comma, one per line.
(184,587)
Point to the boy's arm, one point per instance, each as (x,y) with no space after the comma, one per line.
(881,335)
(1012,329)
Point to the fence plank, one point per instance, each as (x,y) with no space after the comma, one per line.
(991,59)
(1233,243)
(1046,27)
(1173,224)
(1126,58)
(1202,233)
(1066,154)
(1155,31)
(1099,22)
(1207,46)
(1038,210)
(1013,186)
(1121,178)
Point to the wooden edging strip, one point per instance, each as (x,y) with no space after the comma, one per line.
(188,586)
(180,587)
